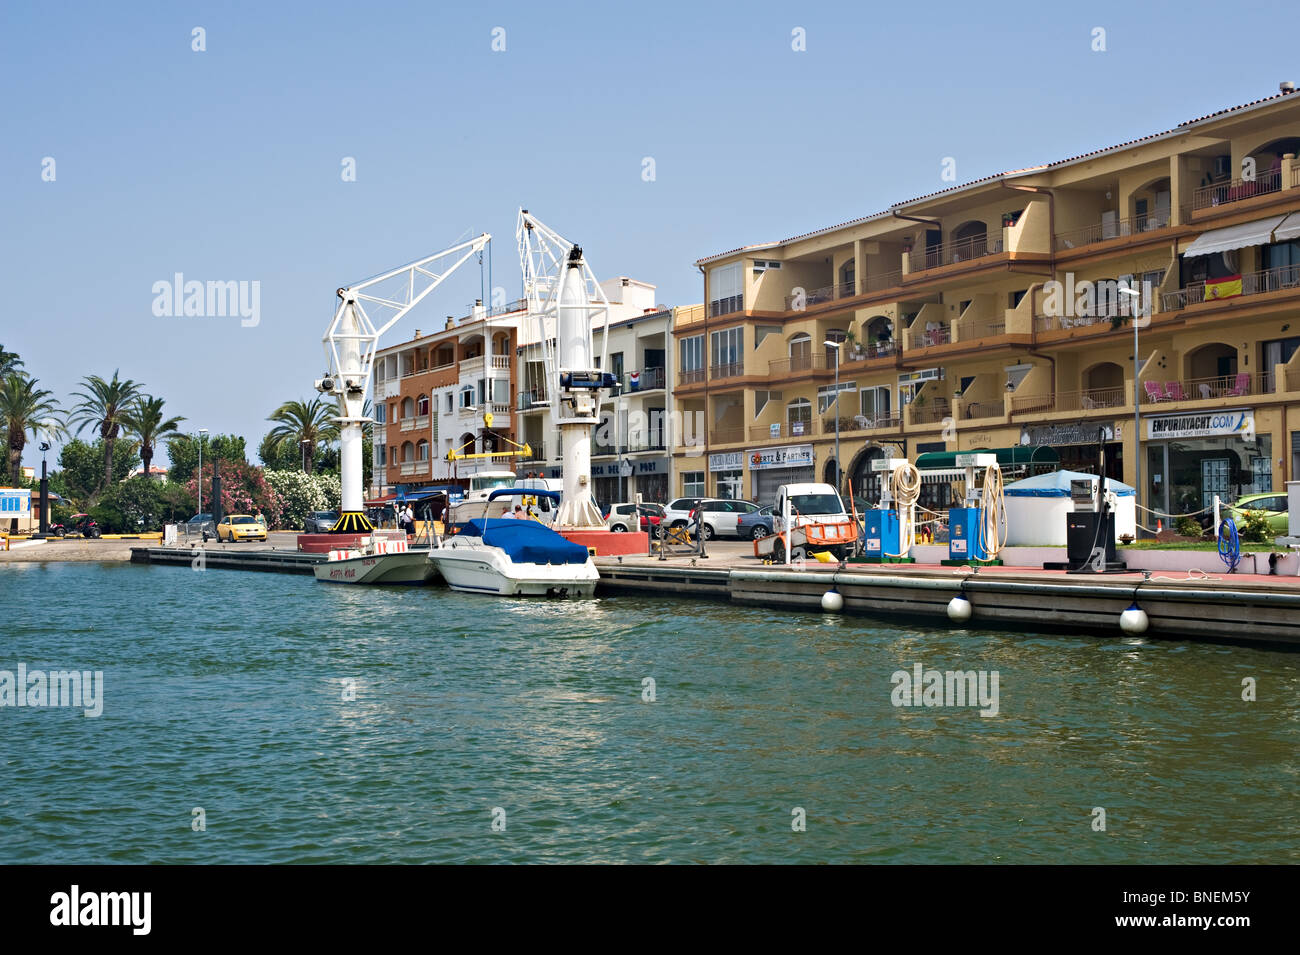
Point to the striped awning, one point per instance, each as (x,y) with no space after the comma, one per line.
(1234,237)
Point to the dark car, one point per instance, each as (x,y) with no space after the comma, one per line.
(755,525)
(320,522)
(200,525)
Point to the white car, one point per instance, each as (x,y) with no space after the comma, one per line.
(678,513)
(622,518)
(718,517)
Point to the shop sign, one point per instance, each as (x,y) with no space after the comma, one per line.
(15,502)
(794,456)
(726,461)
(1079,432)
(1207,424)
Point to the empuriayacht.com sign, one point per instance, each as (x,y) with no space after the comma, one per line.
(1206,424)
(796,456)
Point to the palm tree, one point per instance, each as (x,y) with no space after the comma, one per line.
(144,421)
(9,362)
(103,403)
(303,425)
(25,408)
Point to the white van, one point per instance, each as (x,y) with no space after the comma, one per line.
(818,522)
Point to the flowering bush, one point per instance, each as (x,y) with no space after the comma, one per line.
(244,490)
(299,494)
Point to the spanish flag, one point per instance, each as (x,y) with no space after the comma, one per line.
(1228,287)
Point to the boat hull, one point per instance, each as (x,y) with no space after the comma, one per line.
(410,567)
(485,571)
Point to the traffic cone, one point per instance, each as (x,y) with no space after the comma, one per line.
(1159,525)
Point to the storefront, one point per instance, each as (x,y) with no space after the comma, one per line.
(769,468)
(1076,443)
(1193,457)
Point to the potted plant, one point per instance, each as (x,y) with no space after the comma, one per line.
(855,347)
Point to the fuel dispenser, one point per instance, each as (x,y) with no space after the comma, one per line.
(890,527)
(977,530)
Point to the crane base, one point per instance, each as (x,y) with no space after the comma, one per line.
(352,522)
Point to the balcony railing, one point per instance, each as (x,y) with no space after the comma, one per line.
(797,302)
(882,280)
(725,306)
(801,364)
(948,253)
(532,400)
(1240,385)
(1109,229)
(784,429)
(727,436)
(648,380)
(693,376)
(937,334)
(417,423)
(501,362)
(538,453)
(414,467)
(1088,399)
(931,411)
(1222,193)
(869,351)
(890,421)
(1252,283)
(992,329)
(733,369)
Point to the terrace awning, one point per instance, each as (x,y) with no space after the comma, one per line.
(1019,455)
(1288,230)
(1234,237)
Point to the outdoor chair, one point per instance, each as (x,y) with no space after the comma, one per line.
(1204,389)
(1174,391)
(1155,391)
(1241,387)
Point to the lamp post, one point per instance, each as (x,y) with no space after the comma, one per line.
(45,490)
(836,346)
(202,432)
(1137,404)
(303,446)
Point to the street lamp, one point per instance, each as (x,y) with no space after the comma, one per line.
(45,488)
(303,445)
(202,432)
(836,346)
(1137,403)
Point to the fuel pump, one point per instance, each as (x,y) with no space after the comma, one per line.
(890,528)
(977,531)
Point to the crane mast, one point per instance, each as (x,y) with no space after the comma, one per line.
(350,344)
(565,302)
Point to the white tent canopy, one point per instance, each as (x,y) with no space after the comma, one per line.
(1234,237)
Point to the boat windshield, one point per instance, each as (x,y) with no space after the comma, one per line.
(816,504)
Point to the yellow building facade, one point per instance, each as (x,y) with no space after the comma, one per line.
(1001,315)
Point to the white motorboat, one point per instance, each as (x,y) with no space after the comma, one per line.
(514,557)
(378,560)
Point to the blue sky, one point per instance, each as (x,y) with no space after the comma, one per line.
(225,164)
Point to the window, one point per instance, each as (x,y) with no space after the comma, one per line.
(408,407)
(422,405)
(798,415)
(422,451)
(451,402)
(873,402)
(693,353)
(616,365)
(826,395)
(762,265)
(693,483)
(381,455)
(467,397)
(725,292)
(727,349)
(381,413)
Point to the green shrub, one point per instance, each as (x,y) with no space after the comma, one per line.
(1253,526)
(1187,526)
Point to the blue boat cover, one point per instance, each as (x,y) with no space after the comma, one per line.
(526,542)
(1057,484)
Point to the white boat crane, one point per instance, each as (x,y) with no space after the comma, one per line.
(350,344)
(564,302)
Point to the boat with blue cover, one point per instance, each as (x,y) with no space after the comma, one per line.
(514,557)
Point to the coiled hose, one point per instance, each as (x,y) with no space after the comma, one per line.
(905,486)
(993,513)
(1229,544)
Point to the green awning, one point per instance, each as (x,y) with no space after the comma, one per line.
(1020,455)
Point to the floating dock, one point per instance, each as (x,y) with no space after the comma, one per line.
(1240,608)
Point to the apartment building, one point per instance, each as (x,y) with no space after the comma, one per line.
(630,451)
(434,393)
(1000,315)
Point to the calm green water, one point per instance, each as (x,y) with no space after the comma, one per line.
(224,690)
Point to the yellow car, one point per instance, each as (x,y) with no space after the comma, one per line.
(240,527)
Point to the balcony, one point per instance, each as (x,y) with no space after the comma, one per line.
(418,423)
(798,301)
(810,363)
(1221,387)
(886,421)
(869,352)
(935,333)
(538,454)
(1108,229)
(654,442)
(1223,193)
(950,253)
(784,430)
(414,468)
(1088,399)
(473,411)
(727,436)
(732,369)
(650,379)
(725,306)
(880,281)
(693,376)
(930,412)
(1252,283)
(534,399)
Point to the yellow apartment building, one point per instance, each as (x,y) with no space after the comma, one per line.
(1000,315)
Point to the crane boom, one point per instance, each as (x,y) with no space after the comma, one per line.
(350,344)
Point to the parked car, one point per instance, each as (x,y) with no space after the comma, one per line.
(620,517)
(240,527)
(320,522)
(1273,504)
(200,525)
(678,513)
(718,517)
(756,525)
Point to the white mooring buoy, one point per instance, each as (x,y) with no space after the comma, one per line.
(833,601)
(1134,619)
(959,609)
